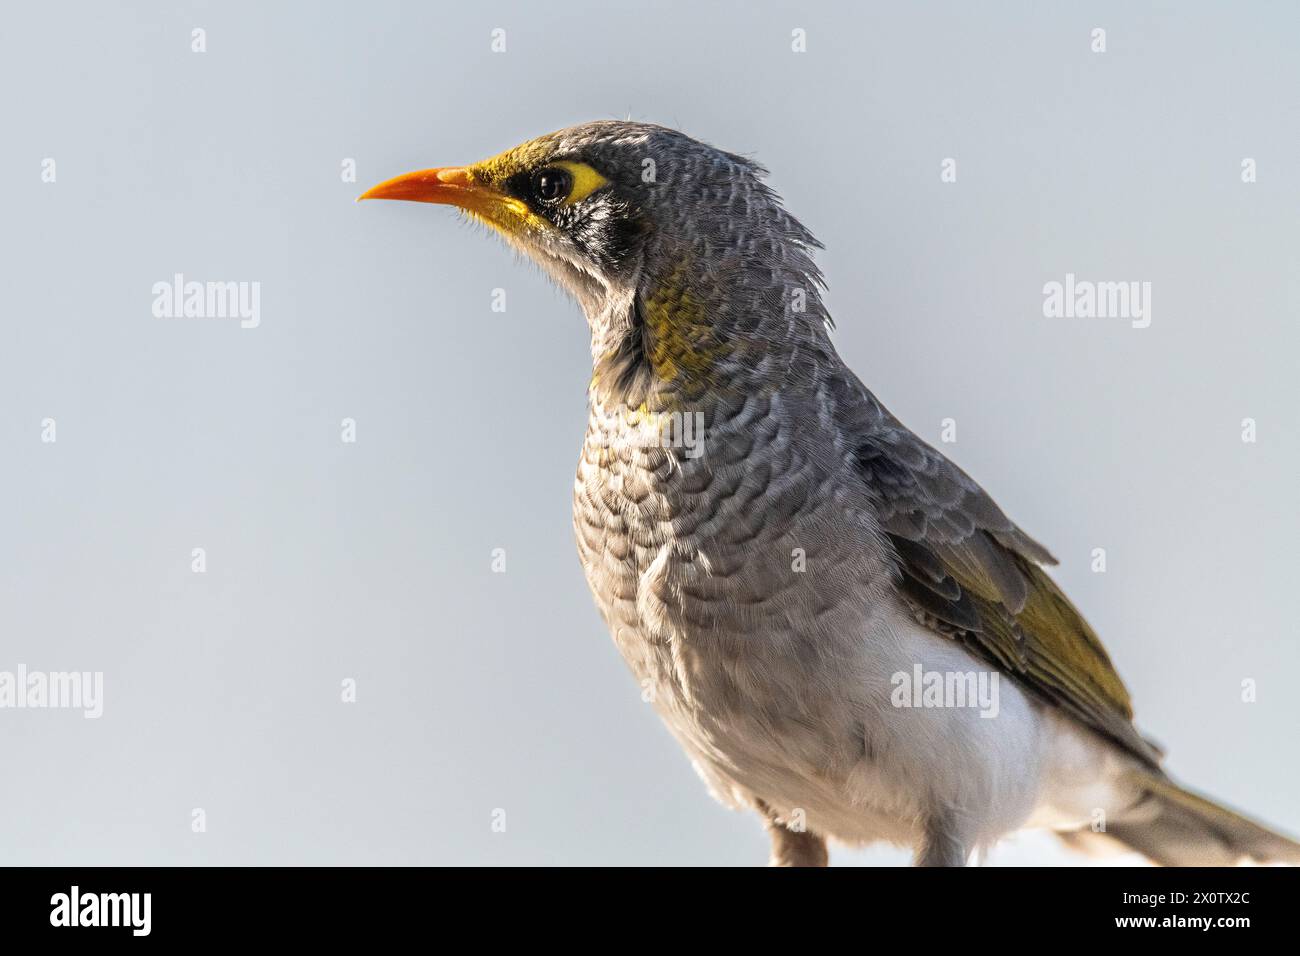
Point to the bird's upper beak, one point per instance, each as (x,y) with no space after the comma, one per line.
(451,185)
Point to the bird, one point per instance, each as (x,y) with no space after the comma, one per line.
(813,597)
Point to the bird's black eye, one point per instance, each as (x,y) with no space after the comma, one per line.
(552,185)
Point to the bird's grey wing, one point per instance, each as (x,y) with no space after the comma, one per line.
(969,573)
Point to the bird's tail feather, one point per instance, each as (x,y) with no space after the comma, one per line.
(1172,826)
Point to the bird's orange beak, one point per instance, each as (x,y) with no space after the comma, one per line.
(450,185)
(462,187)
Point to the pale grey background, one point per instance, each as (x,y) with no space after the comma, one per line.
(481,690)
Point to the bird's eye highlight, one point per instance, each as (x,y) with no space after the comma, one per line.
(552,184)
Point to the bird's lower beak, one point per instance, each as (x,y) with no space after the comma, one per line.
(450,185)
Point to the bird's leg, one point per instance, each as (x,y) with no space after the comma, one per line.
(794,847)
(941,845)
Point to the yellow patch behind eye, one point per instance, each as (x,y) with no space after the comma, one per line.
(585,180)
